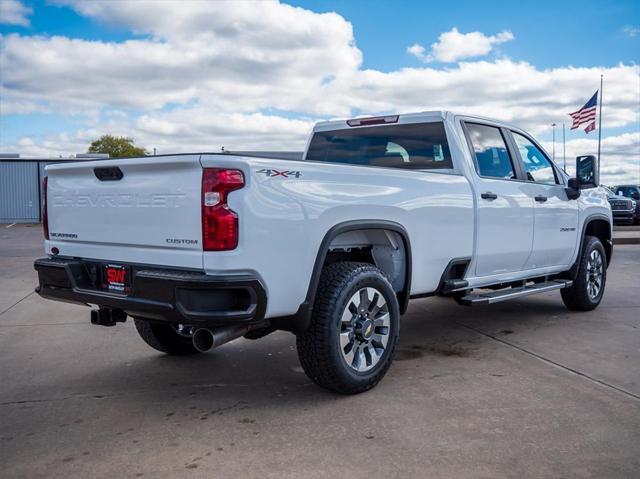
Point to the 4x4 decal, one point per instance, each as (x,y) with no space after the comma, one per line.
(285,173)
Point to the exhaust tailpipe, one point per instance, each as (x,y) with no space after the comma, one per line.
(205,340)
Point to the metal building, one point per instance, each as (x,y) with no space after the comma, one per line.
(19,191)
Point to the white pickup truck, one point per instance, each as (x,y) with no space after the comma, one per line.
(200,249)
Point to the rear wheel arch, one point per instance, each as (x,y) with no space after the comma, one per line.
(353,226)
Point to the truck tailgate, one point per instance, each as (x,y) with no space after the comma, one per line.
(139,209)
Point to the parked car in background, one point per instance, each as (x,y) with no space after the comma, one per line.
(623,209)
(633,192)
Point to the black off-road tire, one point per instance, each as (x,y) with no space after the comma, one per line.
(319,346)
(577,296)
(164,338)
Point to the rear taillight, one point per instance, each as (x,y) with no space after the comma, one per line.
(219,222)
(45,217)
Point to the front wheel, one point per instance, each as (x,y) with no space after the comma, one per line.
(588,288)
(354,329)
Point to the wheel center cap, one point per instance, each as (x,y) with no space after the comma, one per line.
(364,329)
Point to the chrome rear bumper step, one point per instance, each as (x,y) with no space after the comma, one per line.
(512,293)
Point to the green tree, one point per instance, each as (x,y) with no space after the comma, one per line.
(116,146)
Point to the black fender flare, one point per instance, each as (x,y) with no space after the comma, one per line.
(573,271)
(300,320)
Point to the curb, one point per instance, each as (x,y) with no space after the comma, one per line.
(626,240)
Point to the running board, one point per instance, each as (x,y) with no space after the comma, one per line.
(512,293)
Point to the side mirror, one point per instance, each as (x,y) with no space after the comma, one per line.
(587,172)
(635,195)
(573,189)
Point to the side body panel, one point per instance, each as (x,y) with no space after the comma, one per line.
(556,226)
(283,220)
(504,227)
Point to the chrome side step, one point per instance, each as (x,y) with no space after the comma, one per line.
(512,293)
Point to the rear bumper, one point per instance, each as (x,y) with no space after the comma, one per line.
(172,296)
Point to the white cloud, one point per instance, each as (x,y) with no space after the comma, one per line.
(232,55)
(180,130)
(13,12)
(453,46)
(631,31)
(248,76)
(418,51)
(620,154)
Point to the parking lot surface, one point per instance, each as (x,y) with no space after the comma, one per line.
(520,389)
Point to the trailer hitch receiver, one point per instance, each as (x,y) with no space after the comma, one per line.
(107,316)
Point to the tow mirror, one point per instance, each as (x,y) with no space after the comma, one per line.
(587,174)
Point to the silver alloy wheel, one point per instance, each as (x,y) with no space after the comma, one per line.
(595,270)
(364,329)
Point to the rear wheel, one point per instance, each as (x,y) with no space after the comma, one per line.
(167,338)
(354,329)
(588,288)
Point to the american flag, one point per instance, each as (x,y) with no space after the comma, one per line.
(586,114)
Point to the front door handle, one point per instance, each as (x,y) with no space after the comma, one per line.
(541,199)
(489,196)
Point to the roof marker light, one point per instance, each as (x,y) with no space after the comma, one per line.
(374,120)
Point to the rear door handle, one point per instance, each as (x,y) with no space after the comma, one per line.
(541,199)
(489,196)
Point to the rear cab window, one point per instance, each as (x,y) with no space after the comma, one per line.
(490,149)
(416,146)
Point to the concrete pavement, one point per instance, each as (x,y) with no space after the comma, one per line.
(519,389)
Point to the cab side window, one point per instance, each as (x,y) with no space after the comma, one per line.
(536,165)
(492,156)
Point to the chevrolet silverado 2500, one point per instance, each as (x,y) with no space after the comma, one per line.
(200,249)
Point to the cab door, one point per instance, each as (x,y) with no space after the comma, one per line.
(504,219)
(555,216)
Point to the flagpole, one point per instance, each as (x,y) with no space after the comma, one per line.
(553,155)
(564,149)
(600,123)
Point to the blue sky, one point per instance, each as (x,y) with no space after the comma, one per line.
(549,33)
(368,57)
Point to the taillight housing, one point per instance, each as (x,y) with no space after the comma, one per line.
(219,222)
(45,217)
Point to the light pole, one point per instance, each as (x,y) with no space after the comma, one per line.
(553,125)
